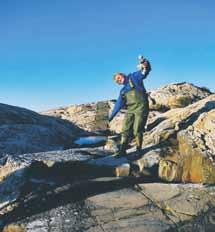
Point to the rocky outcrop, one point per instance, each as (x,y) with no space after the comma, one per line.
(168,124)
(127,209)
(173,136)
(23,131)
(77,189)
(187,137)
(93,117)
(197,149)
(176,95)
(199,137)
(90,117)
(53,196)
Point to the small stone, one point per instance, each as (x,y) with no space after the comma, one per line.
(122,170)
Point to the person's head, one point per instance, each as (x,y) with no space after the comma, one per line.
(119,78)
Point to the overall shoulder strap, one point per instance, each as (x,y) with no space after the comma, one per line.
(131,83)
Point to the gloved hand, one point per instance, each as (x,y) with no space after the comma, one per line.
(141,67)
(144,65)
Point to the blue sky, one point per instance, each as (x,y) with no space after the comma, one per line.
(60,52)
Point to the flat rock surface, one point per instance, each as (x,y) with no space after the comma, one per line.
(128,209)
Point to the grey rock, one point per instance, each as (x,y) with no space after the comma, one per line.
(23,131)
(129,209)
(176,95)
(90,117)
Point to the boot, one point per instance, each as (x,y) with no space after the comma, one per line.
(122,148)
(139,142)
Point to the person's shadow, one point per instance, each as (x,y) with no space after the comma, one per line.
(48,188)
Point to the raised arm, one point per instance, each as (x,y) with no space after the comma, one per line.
(144,66)
(139,75)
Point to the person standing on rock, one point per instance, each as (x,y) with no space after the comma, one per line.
(133,96)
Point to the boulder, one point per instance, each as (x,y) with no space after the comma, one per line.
(176,95)
(90,117)
(23,131)
(197,149)
(166,126)
(189,133)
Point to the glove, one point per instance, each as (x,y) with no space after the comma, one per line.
(142,63)
(141,67)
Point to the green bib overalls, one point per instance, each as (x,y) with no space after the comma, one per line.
(135,118)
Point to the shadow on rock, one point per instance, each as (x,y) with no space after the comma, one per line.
(204,221)
(41,195)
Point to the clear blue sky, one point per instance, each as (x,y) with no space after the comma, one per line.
(60,52)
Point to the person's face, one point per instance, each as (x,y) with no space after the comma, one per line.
(119,78)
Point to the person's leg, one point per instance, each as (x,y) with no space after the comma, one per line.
(139,128)
(126,133)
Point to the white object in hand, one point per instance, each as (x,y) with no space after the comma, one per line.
(141,58)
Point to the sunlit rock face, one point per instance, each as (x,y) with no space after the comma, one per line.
(197,148)
(93,116)
(176,95)
(189,132)
(90,117)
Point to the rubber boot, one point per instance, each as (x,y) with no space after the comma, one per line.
(122,148)
(139,143)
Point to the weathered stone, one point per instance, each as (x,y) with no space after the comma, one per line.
(122,209)
(101,207)
(14,228)
(23,131)
(195,159)
(170,169)
(123,170)
(90,117)
(196,146)
(168,124)
(176,95)
(113,143)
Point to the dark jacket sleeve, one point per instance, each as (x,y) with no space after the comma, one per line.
(118,105)
(139,75)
